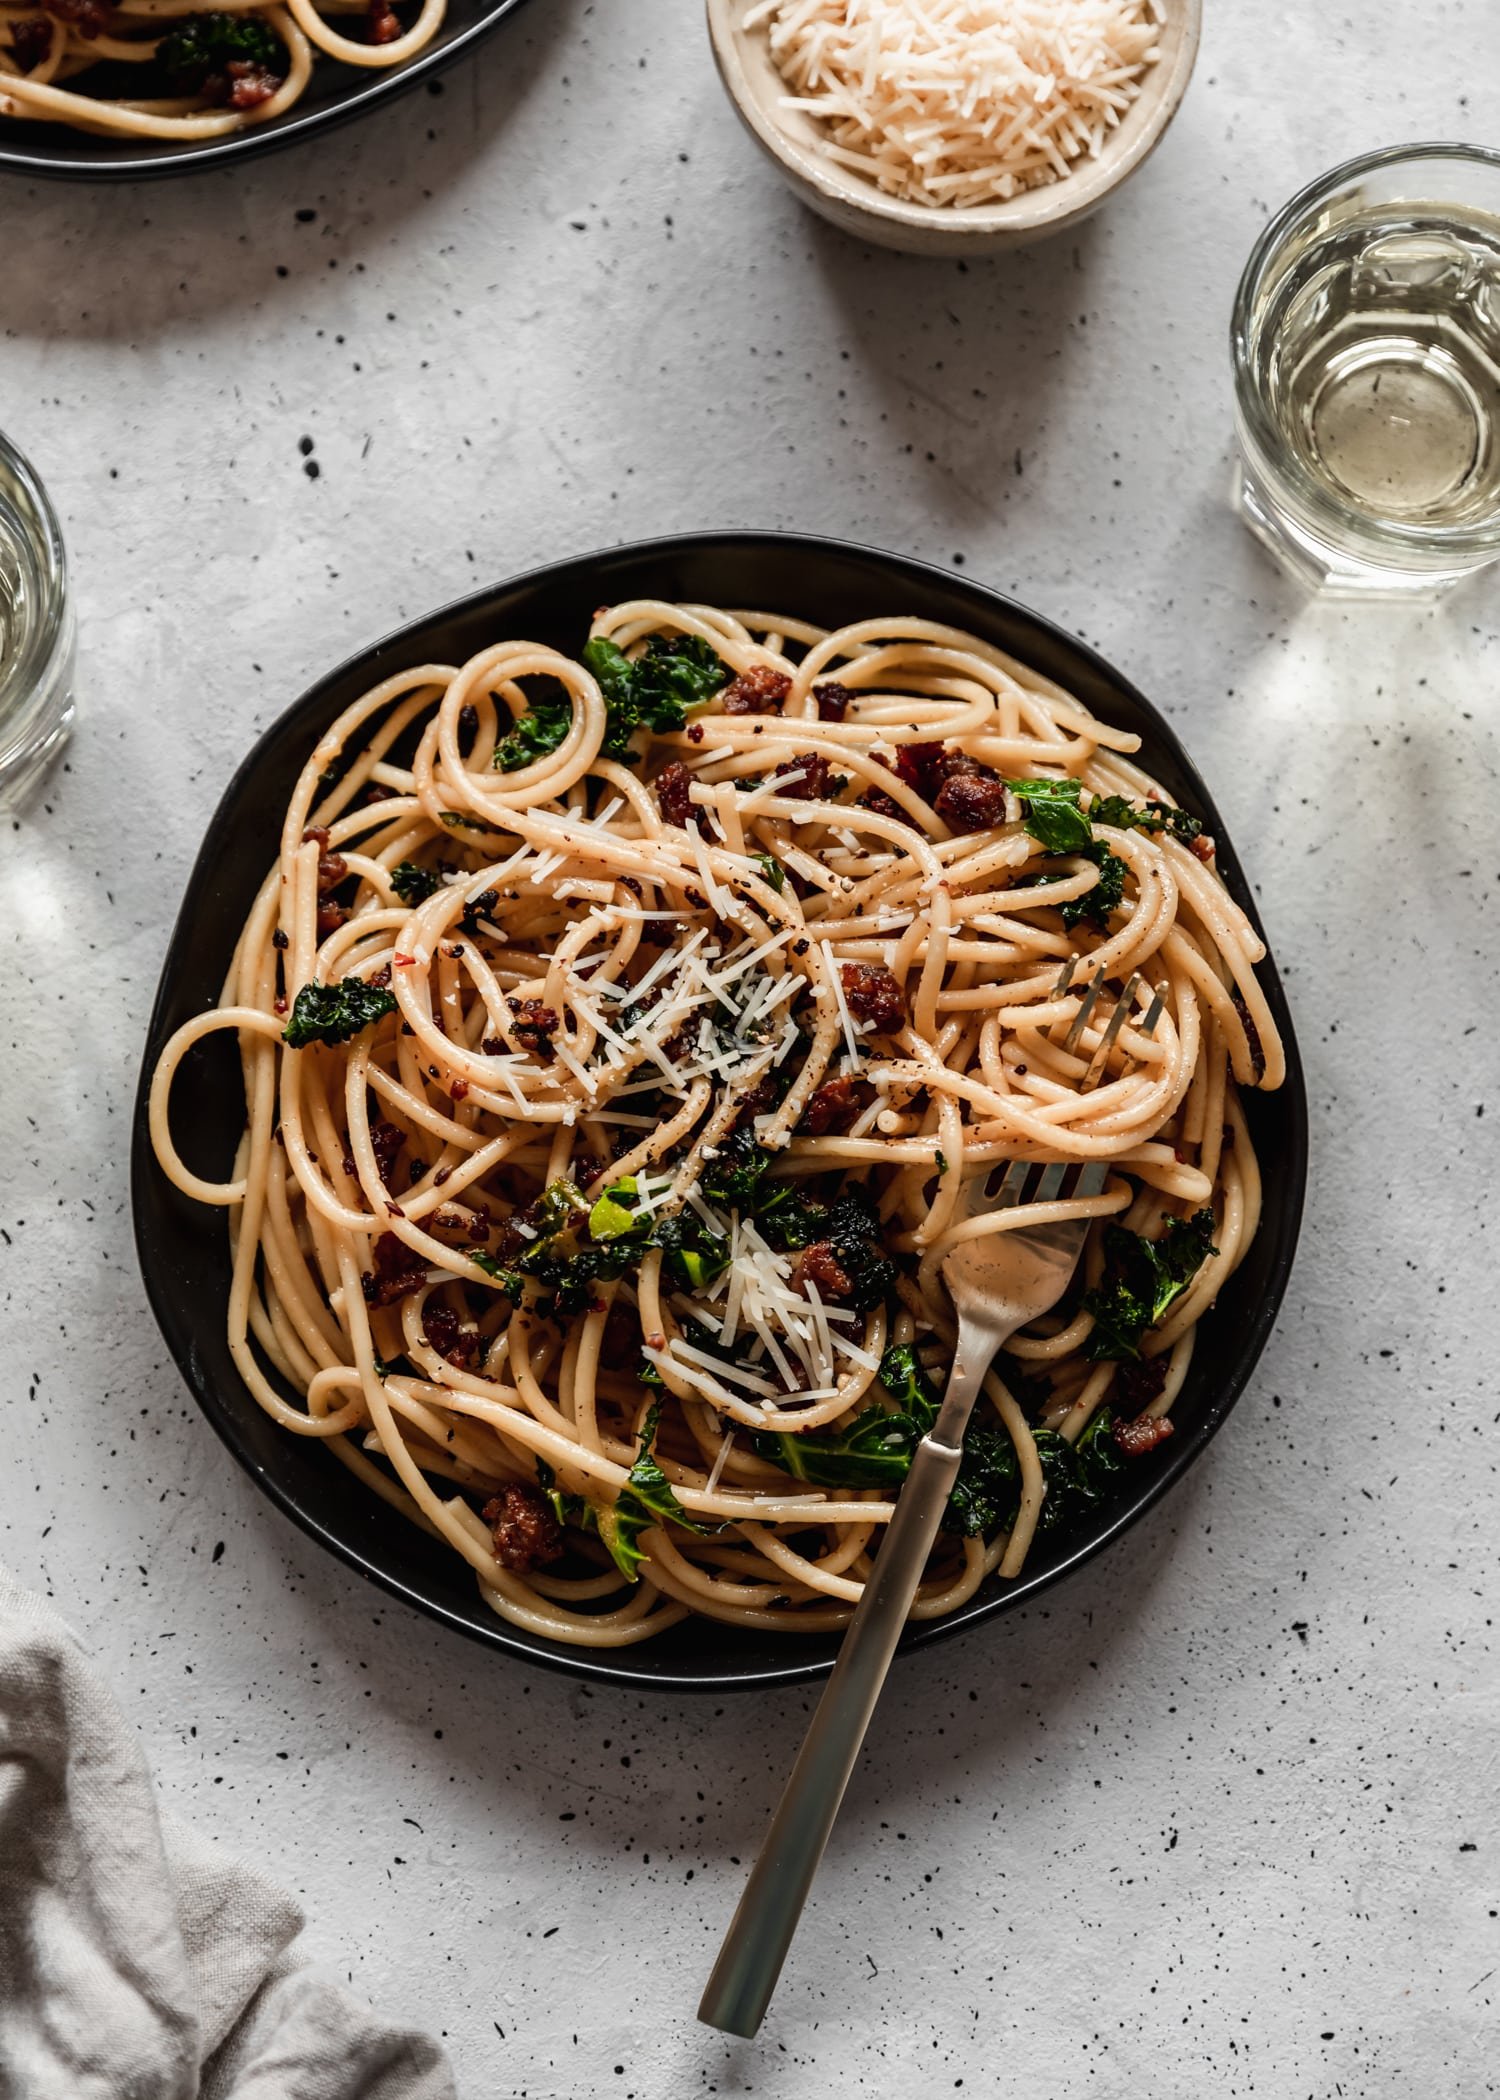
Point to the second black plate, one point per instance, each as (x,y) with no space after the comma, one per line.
(334,94)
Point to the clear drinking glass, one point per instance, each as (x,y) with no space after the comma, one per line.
(36,629)
(1366,344)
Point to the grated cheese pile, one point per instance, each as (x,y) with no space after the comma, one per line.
(955,102)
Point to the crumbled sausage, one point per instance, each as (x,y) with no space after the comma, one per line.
(1138,1384)
(246,85)
(673,798)
(30,42)
(834,1105)
(330,918)
(834,700)
(884,805)
(820,1266)
(89,17)
(445,1332)
(758,691)
(812,782)
(384,25)
(526,1533)
(1136,1438)
(971,801)
(921,766)
(332,868)
(398,1270)
(534,1024)
(874,995)
(760,1099)
(316,835)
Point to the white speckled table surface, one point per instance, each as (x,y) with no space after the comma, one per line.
(1220,1815)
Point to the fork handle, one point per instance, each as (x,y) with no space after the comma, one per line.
(756,1944)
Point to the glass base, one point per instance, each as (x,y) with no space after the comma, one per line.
(1326,569)
(25,771)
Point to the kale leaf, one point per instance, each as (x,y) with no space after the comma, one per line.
(1054,818)
(1082,1479)
(735,1175)
(1051,814)
(852,1228)
(561,1261)
(204,46)
(646,1499)
(672,675)
(1123,815)
(789,1219)
(1096,904)
(1098,1458)
(613,1215)
(544,726)
(695,1254)
(986,1493)
(332,1013)
(571,1272)
(414,884)
(903,1377)
(875,1451)
(1141,1279)
(509,1280)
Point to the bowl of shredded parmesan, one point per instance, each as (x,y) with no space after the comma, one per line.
(955,126)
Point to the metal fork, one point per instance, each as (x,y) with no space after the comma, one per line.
(999,1282)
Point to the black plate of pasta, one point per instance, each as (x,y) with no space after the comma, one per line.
(103,89)
(584,1011)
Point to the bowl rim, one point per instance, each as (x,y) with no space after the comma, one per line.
(198,154)
(1053,206)
(317,706)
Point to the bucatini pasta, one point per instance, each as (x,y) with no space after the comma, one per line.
(616,1032)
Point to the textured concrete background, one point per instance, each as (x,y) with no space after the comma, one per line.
(1220,1817)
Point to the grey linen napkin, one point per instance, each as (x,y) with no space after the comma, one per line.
(135,1963)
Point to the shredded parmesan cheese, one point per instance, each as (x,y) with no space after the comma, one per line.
(954,102)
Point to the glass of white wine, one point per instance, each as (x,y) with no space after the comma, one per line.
(36,630)
(1366,343)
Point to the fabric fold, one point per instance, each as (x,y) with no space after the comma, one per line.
(137,1963)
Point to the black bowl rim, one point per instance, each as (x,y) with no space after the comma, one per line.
(612,1666)
(197,154)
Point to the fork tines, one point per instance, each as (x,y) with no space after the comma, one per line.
(1057,1180)
(1116,1021)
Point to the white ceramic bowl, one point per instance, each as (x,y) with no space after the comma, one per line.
(791,138)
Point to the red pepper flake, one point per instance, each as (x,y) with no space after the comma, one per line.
(403,962)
